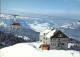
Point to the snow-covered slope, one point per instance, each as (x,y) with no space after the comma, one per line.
(32,50)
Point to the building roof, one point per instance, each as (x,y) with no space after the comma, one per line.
(57,33)
(46,31)
(52,33)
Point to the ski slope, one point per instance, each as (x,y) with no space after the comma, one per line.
(32,50)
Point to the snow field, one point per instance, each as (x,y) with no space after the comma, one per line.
(32,50)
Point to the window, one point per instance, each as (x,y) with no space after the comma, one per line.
(64,40)
(53,43)
(53,39)
(44,37)
(45,45)
(60,35)
(40,40)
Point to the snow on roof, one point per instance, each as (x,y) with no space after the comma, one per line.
(46,31)
(51,33)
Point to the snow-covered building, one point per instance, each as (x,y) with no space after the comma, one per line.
(55,38)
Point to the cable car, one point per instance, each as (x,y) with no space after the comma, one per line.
(15,23)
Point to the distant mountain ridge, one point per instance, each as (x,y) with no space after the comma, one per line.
(71,27)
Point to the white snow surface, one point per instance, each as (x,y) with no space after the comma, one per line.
(68,26)
(25,38)
(39,27)
(32,50)
(45,31)
(2,23)
(70,44)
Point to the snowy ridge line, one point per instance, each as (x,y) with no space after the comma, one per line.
(39,15)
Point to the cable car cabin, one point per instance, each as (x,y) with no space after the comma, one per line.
(44,46)
(15,25)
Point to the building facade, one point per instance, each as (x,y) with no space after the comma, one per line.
(55,38)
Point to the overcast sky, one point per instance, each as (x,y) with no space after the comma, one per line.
(59,8)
